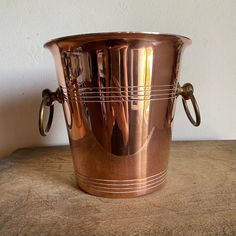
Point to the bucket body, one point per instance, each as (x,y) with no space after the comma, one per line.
(118,92)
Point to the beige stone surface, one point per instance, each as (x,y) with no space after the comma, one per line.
(38,196)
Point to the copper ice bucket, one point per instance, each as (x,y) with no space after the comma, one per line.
(118,92)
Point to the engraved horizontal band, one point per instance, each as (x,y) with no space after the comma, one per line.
(108,91)
(121,93)
(123,186)
(123,180)
(131,191)
(83,87)
(82,96)
(122,99)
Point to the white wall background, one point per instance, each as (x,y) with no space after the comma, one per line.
(26,68)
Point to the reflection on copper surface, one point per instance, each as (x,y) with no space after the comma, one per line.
(120,92)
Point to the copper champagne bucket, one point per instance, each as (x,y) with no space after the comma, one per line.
(118,92)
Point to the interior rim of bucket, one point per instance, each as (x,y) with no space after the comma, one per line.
(116,35)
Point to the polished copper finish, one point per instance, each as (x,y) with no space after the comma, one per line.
(118,92)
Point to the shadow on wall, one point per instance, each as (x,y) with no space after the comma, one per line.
(19,110)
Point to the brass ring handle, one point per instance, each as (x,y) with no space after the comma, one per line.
(186,91)
(48,99)
(45,131)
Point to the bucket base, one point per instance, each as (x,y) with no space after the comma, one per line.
(121,188)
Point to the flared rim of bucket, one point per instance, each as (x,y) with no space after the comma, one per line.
(83,38)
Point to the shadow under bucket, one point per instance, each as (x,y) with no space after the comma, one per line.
(118,92)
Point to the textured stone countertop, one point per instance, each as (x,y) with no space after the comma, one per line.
(38,196)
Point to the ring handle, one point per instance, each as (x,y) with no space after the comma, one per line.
(45,131)
(186,91)
(48,99)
